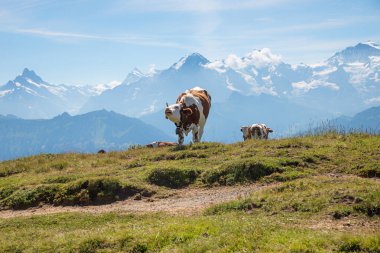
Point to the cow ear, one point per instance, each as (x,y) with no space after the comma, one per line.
(270,130)
(187,111)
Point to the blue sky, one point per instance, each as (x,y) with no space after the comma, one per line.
(94,41)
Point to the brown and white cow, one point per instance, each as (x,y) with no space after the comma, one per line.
(158,144)
(190,113)
(256,131)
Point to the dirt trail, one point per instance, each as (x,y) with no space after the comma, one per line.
(184,201)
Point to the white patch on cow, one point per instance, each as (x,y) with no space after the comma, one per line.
(260,126)
(197,88)
(175,115)
(172,112)
(189,99)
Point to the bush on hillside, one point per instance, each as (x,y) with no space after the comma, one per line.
(172,177)
(91,191)
(239,172)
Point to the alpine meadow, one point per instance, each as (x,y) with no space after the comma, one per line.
(189,126)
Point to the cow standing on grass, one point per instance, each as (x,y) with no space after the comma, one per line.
(256,131)
(190,113)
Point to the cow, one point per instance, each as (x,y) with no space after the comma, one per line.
(256,131)
(190,113)
(158,144)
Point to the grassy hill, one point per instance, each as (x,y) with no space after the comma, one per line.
(316,194)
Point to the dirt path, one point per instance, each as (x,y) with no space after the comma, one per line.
(185,201)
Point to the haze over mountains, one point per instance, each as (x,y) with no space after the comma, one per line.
(89,132)
(259,87)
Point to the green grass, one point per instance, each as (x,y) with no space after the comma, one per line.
(337,197)
(226,232)
(48,178)
(313,187)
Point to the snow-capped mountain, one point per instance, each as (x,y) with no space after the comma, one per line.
(344,84)
(29,96)
(151,91)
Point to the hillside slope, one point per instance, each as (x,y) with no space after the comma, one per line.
(318,193)
(82,133)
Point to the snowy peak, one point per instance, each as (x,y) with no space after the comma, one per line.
(257,59)
(100,88)
(190,61)
(137,72)
(371,44)
(359,53)
(134,76)
(31,75)
(262,58)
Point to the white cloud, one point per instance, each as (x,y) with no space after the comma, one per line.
(234,62)
(100,88)
(303,87)
(152,70)
(261,58)
(372,101)
(57,34)
(256,58)
(127,39)
(195,5)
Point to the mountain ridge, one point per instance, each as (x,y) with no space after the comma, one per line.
(341,85)
(80,133)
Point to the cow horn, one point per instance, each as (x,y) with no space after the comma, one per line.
(167,105)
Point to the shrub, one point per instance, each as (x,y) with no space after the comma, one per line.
(172,177)
(368,170)
(352,245)
(92,191)
(97,191)
(239,172)
(6,192)
(28,197)
(14,168)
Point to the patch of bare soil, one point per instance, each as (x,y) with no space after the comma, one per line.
(184,201)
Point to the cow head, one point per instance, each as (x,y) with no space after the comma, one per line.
(246,132)
(257,132)
(178,112)
(173,112)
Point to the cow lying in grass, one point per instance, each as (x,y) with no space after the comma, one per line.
(158,144)
(256,131)
(190,113)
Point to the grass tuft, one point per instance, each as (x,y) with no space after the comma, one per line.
(245,171)
(172,177)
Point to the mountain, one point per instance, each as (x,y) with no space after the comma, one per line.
(82,133)
(29,96)
(150,92)
(345,83)
(259,87)
(367,120)
(362,52)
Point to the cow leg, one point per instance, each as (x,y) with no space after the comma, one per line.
(195,134)
(179,132)
(200,133)
(180,137)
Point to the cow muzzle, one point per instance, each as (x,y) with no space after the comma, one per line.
(168,111)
